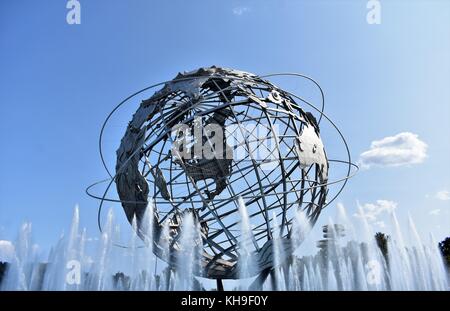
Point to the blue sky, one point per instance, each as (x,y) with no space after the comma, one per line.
(59,81)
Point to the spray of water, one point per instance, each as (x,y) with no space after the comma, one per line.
(247,261)
(77,262)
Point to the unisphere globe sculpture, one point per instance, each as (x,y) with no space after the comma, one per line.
(227,148)
(291,172)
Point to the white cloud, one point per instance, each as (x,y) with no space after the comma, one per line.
(371,211)
(240,10)
(435,212)
(7,251)
(443,195)
(402,149)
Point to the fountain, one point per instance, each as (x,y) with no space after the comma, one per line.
(338,265)
(247,261)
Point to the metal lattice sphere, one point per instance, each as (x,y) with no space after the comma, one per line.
(259,151)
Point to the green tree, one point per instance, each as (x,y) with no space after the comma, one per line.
(3,267)
(382,242)
(444,246)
